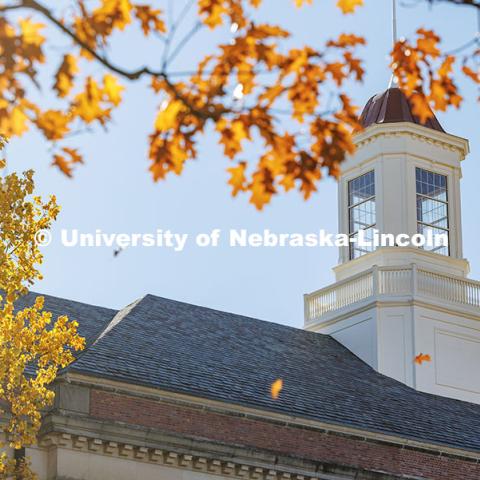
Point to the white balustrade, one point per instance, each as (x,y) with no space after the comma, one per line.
(391,281)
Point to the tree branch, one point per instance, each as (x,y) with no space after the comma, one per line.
(183,42)
(128,74)
(6,8)
(465,3)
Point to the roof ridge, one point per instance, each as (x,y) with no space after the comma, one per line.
(118,317)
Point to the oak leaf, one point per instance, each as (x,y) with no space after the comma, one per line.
(422,357)
(65,75)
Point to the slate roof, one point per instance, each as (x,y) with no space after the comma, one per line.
(393,106)
(206,353)
(92,319)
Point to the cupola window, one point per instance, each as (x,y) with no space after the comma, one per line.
(361,211)
(432,207)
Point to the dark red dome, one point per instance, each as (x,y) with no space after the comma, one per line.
(393,106)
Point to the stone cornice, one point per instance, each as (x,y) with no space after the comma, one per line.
(141,445)
(174,458)
(264,415)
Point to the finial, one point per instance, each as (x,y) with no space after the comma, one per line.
(393,80)
(394,21)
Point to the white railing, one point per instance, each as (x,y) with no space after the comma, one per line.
(391,281)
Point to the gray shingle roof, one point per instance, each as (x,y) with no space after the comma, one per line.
(92,319)
(193,350)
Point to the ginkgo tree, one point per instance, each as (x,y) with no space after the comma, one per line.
(254,88)
(33,345)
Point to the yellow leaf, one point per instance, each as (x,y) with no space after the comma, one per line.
(113,89)
(276,388)
(65,75)
(17,122)
(299,3)
(54,124)
(166,118)
(31,32)
(349,6)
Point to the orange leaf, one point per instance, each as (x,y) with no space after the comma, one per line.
(475,76)
(420,107)
(150,19)
(422,357)
(237,178)
(427,43)
(64,164)
(276,388)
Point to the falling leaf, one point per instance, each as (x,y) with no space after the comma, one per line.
(276,388)
(65,164)
(422,357)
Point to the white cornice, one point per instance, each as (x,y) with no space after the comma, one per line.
(428,135)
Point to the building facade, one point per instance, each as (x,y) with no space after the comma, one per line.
(168,390)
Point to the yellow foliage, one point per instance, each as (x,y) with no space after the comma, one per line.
(28,337)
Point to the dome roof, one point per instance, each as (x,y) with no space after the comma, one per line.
(393,106)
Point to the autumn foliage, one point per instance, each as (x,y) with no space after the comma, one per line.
(33,345)
(291,101)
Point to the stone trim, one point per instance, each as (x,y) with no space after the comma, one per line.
(216,465)
(274,418)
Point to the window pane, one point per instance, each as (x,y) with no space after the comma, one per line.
(357,250)
(432,207)
(362,211)
(431,184)
(426,230)
(362,215)
(432,212)
(361,188)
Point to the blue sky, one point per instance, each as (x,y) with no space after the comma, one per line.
(114,192)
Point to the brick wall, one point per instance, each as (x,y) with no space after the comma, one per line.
(282,439)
